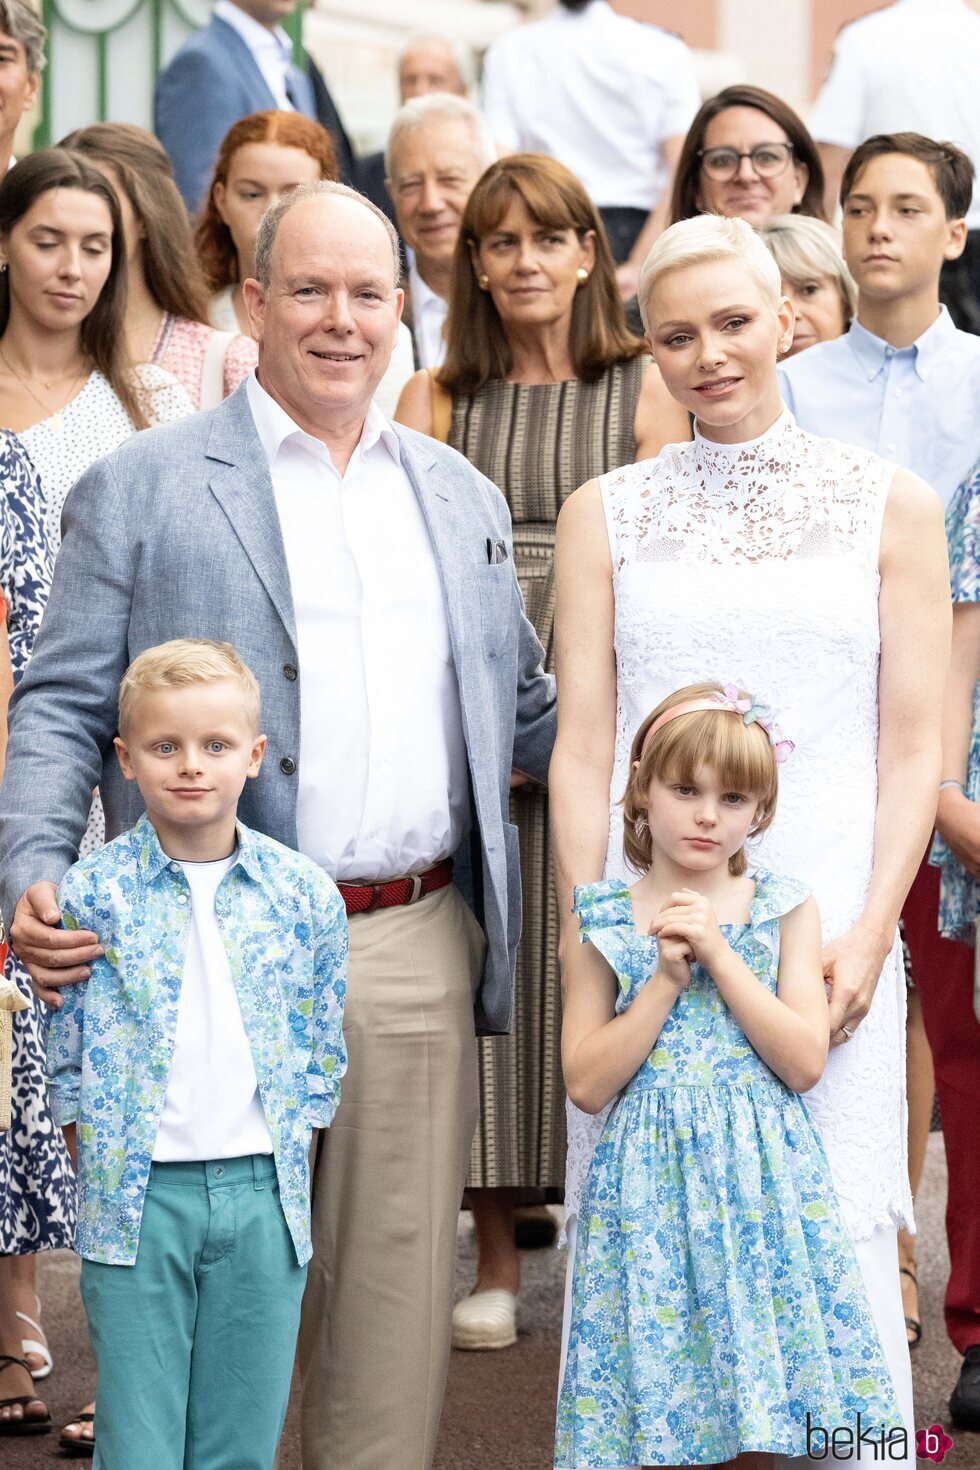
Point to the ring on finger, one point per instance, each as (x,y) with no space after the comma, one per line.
(847,1033)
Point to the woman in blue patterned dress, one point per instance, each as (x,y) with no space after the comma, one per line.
(37,1188)
(718,1311)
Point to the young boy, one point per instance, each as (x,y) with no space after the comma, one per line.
(903,380)
(193,1066)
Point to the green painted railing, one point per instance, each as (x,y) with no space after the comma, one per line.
(104,56)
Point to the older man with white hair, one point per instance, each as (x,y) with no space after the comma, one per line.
(365,573)
(438,147)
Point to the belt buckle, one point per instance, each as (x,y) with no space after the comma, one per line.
(416,889)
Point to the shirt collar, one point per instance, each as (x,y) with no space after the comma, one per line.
(257,37)
(151,860)
(928,350)
(423,296)
(274,426)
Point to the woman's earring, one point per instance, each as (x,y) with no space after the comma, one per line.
(483,281)
(640,824)
(3,266)
(582,274)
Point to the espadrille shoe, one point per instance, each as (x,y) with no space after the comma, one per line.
(485,1320)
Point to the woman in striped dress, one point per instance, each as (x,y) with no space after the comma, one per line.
(542,387)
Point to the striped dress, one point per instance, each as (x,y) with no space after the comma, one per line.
(537,444)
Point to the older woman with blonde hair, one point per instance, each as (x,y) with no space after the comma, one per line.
(542,386)
(813,571)
(814,277)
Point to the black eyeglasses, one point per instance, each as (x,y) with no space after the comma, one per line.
(768,160)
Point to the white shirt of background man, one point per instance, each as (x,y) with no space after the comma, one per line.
(212,1108)
(597,91)
(429,313)
(383,785)
(913,67)
(272,50)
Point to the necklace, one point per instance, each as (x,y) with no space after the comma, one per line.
(54,416)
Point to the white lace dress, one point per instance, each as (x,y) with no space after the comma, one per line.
(757,564)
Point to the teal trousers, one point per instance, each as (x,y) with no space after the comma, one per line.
(195,1342)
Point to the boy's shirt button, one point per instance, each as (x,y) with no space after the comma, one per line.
(182,898)
(175,867)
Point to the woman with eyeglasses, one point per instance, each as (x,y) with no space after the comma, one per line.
(748,155)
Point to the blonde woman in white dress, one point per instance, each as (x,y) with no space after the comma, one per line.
(815,573)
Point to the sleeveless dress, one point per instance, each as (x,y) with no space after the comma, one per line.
(37,1186)
(757,564)
(537,444)
(716,1298)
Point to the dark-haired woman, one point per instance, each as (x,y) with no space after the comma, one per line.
(166,294)
(747,154)
(541,382)
(68,393)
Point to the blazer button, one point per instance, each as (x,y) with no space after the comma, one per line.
(290,672)
(287,765)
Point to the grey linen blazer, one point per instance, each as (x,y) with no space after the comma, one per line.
(175,535)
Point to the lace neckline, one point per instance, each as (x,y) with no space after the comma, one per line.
(774,446)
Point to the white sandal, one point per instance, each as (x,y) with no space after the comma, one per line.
(35,1348)
(485,1321)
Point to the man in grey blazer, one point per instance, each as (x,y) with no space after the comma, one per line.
(364,573)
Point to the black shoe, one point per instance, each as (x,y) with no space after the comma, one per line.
(964,1403)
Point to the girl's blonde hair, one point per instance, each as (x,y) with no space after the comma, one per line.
(741,755)
(185,661)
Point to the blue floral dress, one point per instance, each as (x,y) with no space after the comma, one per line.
(716,1298)
(959,891)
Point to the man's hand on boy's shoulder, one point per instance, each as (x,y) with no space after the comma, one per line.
(52,956)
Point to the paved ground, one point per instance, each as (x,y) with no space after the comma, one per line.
(499,1406)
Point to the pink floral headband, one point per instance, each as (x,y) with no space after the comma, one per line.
(731,701)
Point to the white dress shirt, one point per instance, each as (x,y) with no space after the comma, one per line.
(383,788)
(212,1108)
(272,50)
(913,67)
(429,313)
(916,406)
(597,91)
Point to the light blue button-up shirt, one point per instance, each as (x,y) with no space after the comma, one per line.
(284,930)
(918,406)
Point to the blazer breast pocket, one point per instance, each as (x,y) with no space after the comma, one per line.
(497,608)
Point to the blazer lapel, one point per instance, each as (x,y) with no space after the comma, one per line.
(244,61)
(240,482)
(437,506)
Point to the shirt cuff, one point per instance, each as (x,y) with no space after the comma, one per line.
(63,1104)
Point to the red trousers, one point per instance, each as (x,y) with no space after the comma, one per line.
(943,976)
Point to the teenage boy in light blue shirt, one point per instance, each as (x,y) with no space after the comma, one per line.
(903,380)
(188,1074)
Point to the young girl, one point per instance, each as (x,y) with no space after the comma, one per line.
(718,1312)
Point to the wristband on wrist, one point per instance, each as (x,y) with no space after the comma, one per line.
(958,784)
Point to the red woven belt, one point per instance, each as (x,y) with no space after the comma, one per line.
(361,898)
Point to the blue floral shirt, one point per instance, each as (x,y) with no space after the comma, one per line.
(110,1047)
(959,893)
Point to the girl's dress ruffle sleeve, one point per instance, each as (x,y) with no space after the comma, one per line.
(605,913)
(775,896)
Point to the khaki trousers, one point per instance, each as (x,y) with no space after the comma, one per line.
(387,1183)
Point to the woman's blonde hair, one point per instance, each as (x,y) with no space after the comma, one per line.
(182,662)
(706,238)
(740,755)
(804,248)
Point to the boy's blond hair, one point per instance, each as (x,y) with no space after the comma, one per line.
(182,662)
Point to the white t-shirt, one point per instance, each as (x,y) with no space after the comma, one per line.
(913,67)
(596,90)
(212,1108)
